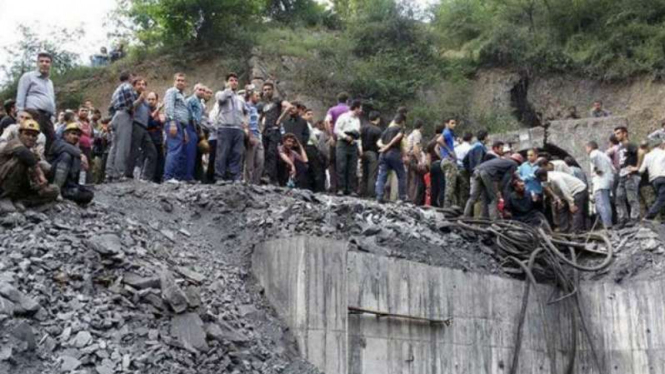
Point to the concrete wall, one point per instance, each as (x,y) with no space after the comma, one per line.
(305,280)
(627,322)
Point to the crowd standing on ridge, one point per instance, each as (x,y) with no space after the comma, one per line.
(251,135)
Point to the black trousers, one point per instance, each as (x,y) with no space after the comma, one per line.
(46,126)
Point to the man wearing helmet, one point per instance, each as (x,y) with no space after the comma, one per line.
(21,178)
(66,166)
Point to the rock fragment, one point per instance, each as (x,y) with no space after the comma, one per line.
(188,329)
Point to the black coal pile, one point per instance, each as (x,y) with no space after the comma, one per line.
(157,279)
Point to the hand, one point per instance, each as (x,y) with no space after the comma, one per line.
(349,139)
(292,171)
(383,149)
(160,106)
(142,96)
(173,129)
(573,208)
(84,162)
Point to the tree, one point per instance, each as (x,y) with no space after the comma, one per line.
(179,22)
(23,54)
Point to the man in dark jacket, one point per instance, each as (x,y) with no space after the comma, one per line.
(21,178)
(490,179)
(477,153)
(295,124)
(66,166)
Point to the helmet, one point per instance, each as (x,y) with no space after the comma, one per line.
(29,125)
(517,158)
(72,127)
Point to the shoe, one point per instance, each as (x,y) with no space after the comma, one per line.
(340,193)
(354,194)
(173,181)
(381,201)
(629,224)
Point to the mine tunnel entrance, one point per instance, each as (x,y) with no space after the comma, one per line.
(552,150)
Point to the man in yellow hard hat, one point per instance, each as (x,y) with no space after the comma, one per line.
(66,166)
(21,178)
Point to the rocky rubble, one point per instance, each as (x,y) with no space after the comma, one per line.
(156,279)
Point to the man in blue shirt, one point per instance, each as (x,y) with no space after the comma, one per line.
(449,162)
(254,157)
(527,172)
(177,119)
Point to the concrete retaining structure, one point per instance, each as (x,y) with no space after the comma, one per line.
(313,282)
(570,136)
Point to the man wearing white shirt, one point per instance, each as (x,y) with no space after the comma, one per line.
(347,130)
(603,179)
(654,164)
(570,197)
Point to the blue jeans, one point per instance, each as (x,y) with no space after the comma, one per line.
(604,207)
(230,152)
(391,160)
(175,154)
(190,153)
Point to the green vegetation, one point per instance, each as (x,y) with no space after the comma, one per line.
(601,39)
(391,52)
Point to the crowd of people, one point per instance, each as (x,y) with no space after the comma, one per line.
(251,135)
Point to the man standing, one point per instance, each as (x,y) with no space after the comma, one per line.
(156,133)
(527,172)
(449,162)
(570,197)
(476,154)
(316,174)
(370,134)
(270,110)
(142,144)
(230,131)
(627,195)
(603,180)
(67,163)
(254,157)
(122,104)
(196,110)
(330,121)
(21,178)
(347,130)
(654,165)
(413,149)
(177,119)
(391,158)
(85,142)
(597,110)
(35,91)
(490,179)
(10,118)
(295,124)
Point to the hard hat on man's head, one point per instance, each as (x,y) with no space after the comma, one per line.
(73,127)
(29,125)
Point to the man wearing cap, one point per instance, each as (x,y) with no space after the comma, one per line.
(35,91)
(21,178)
(66,166)
(570,196)
(492,178)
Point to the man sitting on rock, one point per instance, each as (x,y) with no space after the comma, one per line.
(21,178)
(293,155)
(66,166)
